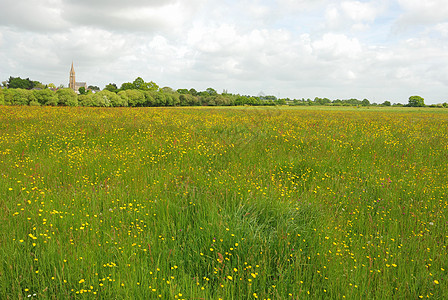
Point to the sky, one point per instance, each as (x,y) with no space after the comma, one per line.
(379,49)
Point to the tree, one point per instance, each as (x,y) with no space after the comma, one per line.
(167,90)
(127,86)
(139,84)
(211,92)
(107,98)
(82,90)
(183,91)
(46,97)
(193,92)
(416,101)
(86,100)
(39,85)
(93,88)
(19,83)
(365,102)
(111,87)
(152,86)
(67,97)
(386,103)
(135,97)
(18,97)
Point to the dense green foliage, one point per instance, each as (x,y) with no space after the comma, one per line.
(148,94)
(230,203)
(416,101)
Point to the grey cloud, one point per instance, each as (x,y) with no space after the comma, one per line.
(42,16)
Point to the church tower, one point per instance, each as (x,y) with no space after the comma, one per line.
(72,83)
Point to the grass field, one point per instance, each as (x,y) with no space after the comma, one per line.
(230,203)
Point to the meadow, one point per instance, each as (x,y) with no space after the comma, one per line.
(223,203)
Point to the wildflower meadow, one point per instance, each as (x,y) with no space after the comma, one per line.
(223,203)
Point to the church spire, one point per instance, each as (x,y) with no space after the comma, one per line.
(72,82)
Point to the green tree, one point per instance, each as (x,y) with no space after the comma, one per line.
(39,85)
(139,84)
(111,87)
(18,97)
(46,97)
(211,92)
(193,92)
(67,97)
(365,102)
(86,100)
(19,83)
(280,102)
(82,90)
(93,88)
(107,98)
(183,91)
(167,90)
(135,97)
(127,86)
(152,86)
(386,103)
(416,101)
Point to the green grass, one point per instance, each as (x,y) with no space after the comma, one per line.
(231,203)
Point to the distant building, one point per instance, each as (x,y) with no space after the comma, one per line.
(73,84)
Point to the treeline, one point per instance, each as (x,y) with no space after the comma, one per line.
(133,98)
(139,93)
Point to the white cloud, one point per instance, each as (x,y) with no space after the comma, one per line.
(27,14)
(418,12)
(337,46)
(361,11)
(355,15)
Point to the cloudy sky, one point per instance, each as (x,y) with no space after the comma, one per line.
(379,49)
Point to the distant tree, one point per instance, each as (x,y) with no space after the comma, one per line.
(82,90)
(160,99)
(365,102)
(139,84)
(444,104)
(19,83)
(111,87)
(152,86)
(150,98)
(107,98)
(193,92)
(18,97)
(167,90)
(67,97)
(386,103)
(86,100)
(211,92)
(93,88)
(38,85)
(280,102)
(416,101)
(135,97)
(46,97)
(52,86)
(183,91)
(127,86)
